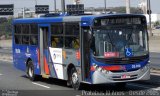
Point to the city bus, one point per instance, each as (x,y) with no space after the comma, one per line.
(92,49)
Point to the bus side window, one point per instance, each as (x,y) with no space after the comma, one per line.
(34,40)
(17,34)
(25,29)
(25,40)
(68,42)
(75,43)
(72,42)
(18,29)
(18,39)
(57,42)
(57,35)
(33,34)
(72,35)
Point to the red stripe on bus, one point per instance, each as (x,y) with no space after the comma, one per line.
(38,55)
(112,68)
(46,67)
(92,68)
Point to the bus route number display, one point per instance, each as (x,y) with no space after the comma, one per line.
(118,21)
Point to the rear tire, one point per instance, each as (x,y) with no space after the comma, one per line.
(30,71)
(74,79)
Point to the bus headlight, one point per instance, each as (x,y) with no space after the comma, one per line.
(104,71)
(100,69)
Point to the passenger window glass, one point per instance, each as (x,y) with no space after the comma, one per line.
(25,29)
(72,29)
(72,42)
(25,40)
(57,29)
(57,42)
(34,40)
(72,35)
(18,39)
(17,29)
(34,29)
(68,39)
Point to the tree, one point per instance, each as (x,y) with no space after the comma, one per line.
(5,26)
(157,23)
(3,19)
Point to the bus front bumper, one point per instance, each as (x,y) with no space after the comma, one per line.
(114,77)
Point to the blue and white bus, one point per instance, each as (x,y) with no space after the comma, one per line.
(94,49)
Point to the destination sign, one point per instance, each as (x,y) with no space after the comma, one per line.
(119,21)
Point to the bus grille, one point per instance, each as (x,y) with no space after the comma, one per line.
(118,78)
(130,60)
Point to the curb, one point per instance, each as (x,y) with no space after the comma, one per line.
(155,70)
(6,60)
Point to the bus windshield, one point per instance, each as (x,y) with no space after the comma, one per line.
(112,41)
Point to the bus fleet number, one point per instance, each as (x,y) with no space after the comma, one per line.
(136,66)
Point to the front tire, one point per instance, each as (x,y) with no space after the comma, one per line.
(30,71)
(74,79)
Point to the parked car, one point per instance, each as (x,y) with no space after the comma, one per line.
(157,27)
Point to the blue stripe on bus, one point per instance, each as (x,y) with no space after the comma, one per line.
(37,20)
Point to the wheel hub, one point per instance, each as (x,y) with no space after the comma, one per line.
(75,78)
(30,72)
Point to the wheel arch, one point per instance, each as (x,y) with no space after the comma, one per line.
(29,59)
(69,67)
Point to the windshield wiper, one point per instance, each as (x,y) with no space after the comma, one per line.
(130,36)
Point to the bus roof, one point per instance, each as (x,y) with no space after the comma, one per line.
(84,18)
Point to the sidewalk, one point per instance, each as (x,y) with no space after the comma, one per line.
(154,44)
(6,44)
(6,57)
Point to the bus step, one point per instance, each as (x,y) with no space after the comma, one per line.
(45,76)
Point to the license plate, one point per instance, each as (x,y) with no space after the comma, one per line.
(125,76)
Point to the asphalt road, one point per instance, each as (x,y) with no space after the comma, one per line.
(13,79)
(155,60)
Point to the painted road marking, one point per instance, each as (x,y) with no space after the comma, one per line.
(1,74)
(157,89)
(40,85)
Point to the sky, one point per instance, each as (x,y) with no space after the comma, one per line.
(88,3)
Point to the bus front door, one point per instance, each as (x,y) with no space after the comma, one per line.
(85,53)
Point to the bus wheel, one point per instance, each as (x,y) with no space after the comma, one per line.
(30,71)
(74,79)
(121,85)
